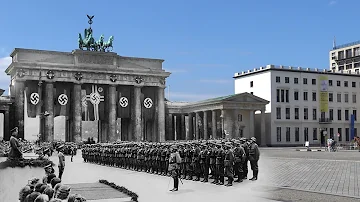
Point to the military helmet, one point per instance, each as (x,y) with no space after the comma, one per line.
(253,139)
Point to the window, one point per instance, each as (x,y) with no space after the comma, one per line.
(287,95)
(305,96)
(332,133)
(315,135)
(313,81)
(278,79)
(341,55)
(356,51)
(306,134)
(339,114)
(349,66)
(346,114)
(348,53)
(331,114)
(296,80)
(347,134)
(277,95)
(314,114)
(331,97)
(282,95)
(306,116)
(322,115)
(287,134)
(355,114)
(251,84)
(287,80)
(314,96)
(346,97)
(296,95)
(297,131)
(339,97)
(339,134)
(240,118)
(353,84)
(304,80)
(338,83)
(345,83)
(296,110)
(330,82)
(278,134)
(354,98)
(278,113)
(287,112)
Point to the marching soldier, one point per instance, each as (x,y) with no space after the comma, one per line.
(254,155)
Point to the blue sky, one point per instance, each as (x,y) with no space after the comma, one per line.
(203,42)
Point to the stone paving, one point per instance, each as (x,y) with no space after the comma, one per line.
(338,177)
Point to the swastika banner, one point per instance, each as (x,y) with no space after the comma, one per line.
(124,101)
(62,100)
(96,101)
(148,102)
(33,98)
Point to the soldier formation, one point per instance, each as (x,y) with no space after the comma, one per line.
(211,159)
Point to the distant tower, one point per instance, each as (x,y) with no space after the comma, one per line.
(334,43)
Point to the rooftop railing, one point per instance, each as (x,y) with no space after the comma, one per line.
(346,45)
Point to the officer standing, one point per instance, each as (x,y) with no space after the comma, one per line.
(254,155)
(228,163)
(174,166)
(245,145)
(239,156)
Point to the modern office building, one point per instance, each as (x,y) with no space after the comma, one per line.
(305,104)
(345,57)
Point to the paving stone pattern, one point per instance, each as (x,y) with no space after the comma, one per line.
(317,175)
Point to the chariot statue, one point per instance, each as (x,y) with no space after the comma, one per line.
(89,43)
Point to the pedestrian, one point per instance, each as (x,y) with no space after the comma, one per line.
(174,166)
(254,155)
(61,164)
(72,153)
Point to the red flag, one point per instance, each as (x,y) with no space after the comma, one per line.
(33,97)
(148,103)
(62,99)
(124,101)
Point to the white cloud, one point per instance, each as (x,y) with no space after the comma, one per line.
(4,79)
(332,3)
(190,97)
(217,81)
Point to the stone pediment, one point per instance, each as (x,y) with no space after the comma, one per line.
(245,98)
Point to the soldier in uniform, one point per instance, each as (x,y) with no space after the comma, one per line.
(239,156)
(212,157)
(228,163)
(174,165)
(254,155)
(182,164)
(196,162)
(204,164)
(246,159)
(188,156)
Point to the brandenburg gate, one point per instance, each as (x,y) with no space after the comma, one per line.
(90,85)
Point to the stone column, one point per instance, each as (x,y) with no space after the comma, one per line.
(263,132)
(197,127)
(191,127)
(19,104)
(76,113)
(213,122)
(137,107)
(251,124)
(170,135)
(222,123)
(7,134)
(178,127)
(205,126)
(49,107)
(161,114)
(183,127)
(112,135)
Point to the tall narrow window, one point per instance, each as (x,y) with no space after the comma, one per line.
(287,110)
(306,134)
(287,95)
(315,135)
(296,110)
(278,113)
(287,134)
(277,95)
(297,134)
(306,114)
(278,134)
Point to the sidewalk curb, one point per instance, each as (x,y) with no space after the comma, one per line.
(319,192)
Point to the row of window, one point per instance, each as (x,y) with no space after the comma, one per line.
(314,114)
(346,67)
(313,82)
(348,53)
(282,95)
(295,133)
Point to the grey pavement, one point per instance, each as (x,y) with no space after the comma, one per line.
(321,173)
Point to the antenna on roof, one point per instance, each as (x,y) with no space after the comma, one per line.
(334,43)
